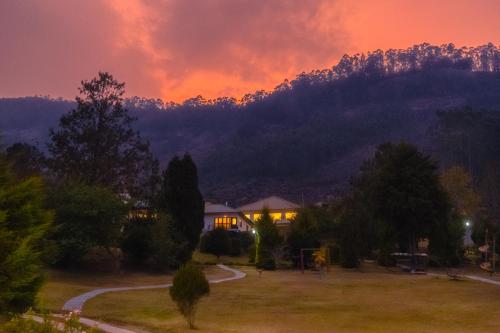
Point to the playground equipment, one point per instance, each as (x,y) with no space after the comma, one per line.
(321,257)
(490,256)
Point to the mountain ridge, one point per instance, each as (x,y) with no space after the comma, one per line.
(306,138)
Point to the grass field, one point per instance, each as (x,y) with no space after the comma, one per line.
(343,301)
(61,286)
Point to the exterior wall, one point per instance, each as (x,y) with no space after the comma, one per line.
(209,220)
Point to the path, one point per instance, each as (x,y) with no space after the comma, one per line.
(470,277)
(481,279)
(76,303)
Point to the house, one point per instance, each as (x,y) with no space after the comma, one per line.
(223,216)
(281,210)
(244,217)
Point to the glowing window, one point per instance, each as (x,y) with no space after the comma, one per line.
(257,216)
(225,222)
(290,215)
(247,216)
(276,216)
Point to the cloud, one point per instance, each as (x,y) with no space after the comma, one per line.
(176,49)
(228,46)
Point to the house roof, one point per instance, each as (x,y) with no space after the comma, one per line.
(271,203)
(217,208)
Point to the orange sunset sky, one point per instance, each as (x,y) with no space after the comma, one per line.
(176,49)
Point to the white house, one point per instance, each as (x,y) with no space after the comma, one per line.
(244,217)
(281,210)
(222,216)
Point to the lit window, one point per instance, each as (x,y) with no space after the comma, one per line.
(247,216)
(257,216)
(290,215)
(225,222)
(276,216)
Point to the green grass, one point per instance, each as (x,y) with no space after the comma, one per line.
(343,302)
(61,286)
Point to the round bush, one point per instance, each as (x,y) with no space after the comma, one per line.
(190,284)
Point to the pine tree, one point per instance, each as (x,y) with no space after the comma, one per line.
(96,144)
(23,224)
(182,200)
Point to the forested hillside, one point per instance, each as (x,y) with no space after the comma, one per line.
(308,136)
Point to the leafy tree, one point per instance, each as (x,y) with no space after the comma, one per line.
(267,240)
(458,184)
(168,244)
(182,200)
(86,217)
(23,225)
(218,242)
(190,284)
(446,241)
(354,232)
(26,160)
(96,144)
(405,193)
(304,233)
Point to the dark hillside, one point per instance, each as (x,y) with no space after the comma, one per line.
(307,137)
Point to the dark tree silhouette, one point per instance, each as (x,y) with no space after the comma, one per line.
(181,198)
(26,160)
(404,193)
(96,144)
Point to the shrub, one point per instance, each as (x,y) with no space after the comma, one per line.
(190,284)
(136,243)
(169,249)
(217,242)
(235,248)
(246,240)
(86,217)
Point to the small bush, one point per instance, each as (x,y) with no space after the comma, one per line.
(190,284)
(235,249)
(217,242)
(246,240)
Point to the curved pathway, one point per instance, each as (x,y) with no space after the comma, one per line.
(76,303)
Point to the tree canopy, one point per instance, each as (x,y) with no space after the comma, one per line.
(96,144)
(181,198)
(23,225)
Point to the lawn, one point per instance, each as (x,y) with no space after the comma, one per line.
(61,286)
(344,301)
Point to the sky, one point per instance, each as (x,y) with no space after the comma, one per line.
(177,49)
